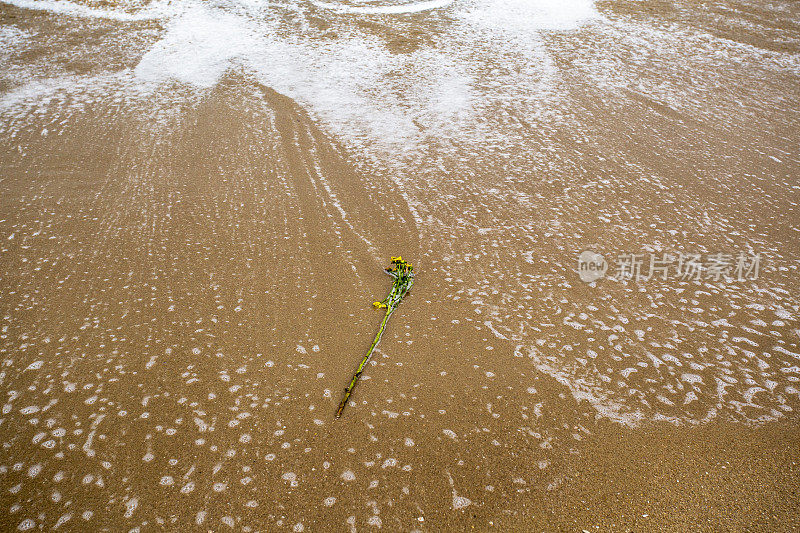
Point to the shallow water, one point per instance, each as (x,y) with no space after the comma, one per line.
(198,199)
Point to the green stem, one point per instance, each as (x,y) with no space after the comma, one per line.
(403,275)
(349,390)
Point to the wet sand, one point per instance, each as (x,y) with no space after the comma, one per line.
(190,244)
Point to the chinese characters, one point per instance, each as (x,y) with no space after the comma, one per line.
(683,266)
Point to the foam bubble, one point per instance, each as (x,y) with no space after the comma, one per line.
(392,9)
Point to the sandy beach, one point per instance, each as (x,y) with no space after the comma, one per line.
(197,200)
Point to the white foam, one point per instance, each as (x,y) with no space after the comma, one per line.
(349,83)
(26,525)
(527,15)
(152,10)
(394,9)
(197,48)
